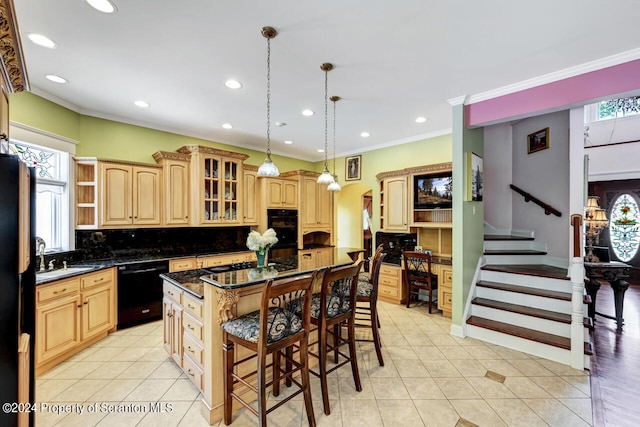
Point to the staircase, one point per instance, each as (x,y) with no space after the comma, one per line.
(522,300)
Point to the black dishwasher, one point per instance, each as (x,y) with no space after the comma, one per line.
(140,292)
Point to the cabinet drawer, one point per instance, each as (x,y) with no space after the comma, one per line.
(96,279)
(388,291)
(192,305)
(388,281)
(172,292)
(57,290)
(192,348)
(193,371)
(182,264)
(389,270)
(447,276)
(192,326)
(447,299)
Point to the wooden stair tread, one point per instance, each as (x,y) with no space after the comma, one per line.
(528,334)
(514,252)
(540,270)
(520,332)
(506,237)
(530,311)
(565,296)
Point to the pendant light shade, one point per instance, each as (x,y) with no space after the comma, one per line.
(325,178)
(334,186)
(268,168)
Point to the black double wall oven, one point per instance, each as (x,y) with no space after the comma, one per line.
(285,223)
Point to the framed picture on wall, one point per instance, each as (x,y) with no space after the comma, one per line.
(537,141)
(475,178)
(353,167)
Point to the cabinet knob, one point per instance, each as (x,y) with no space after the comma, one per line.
(86,302)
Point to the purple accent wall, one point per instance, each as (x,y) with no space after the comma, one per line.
(578,90)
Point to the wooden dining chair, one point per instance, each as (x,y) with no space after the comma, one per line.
(417,275)
(282,321)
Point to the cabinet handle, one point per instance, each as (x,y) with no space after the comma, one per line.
(190,327)
(190,306)
(191,373)
(86,302)
(80,306)
(190,349)
(169,315)
(98,280)
(170,293)
(60,291)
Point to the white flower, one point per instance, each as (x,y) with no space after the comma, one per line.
(261,243)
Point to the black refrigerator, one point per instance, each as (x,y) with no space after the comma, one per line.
(17,291)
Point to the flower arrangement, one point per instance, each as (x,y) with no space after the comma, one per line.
(261,242)
(624,220)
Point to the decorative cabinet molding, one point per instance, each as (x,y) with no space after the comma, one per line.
(250,194)
(14,70)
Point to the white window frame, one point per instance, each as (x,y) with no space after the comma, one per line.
(28,135)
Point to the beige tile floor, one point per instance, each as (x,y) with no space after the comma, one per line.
(430,378)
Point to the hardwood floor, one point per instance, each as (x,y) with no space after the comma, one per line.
(615,370)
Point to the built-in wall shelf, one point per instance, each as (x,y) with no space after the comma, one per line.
(86,189)
(432,218)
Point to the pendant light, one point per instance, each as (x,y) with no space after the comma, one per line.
(268,168)
(325,178)
(334,186)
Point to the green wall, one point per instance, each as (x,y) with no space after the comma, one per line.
(107,139)
(468,217)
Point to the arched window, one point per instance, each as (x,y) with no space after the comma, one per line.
(625,216)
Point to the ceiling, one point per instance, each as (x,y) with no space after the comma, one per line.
(394,61)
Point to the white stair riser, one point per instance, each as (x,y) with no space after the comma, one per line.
(526,346)
(524,280)
(534,301)
(536,323)
(513,245)
(514,259)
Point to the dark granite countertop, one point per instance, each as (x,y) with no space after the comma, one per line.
(193,281)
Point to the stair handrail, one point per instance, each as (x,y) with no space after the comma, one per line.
(576,223)
(529,198)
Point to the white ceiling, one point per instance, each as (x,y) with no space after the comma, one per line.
(394,61)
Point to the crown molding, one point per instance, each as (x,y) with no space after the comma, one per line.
(588,67)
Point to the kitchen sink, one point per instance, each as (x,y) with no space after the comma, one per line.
(51,274)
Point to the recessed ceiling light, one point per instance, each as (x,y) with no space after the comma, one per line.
(421,119)
(233,84)
(320,150)
(104,6)
(288,142)
(280,124)
(142,104)
(307,113)
(55,79)
(41,40)
(227,126)
(364,134)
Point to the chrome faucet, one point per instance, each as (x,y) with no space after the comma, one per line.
(41,246)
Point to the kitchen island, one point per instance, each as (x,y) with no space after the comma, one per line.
(197,302)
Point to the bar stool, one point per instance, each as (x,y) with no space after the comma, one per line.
(331,308)
(282,321)
(367,303)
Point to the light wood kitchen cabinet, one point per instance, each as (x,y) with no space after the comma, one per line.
(182,264)
(280,193)
(176,177)
(172,321)
(72,314)
(316,206)
(393,204)
(390,283)
(445,291)
(226,259)
(250,208)
(129,194)
(86,192)
(184,331)
(310,259)
(216,185)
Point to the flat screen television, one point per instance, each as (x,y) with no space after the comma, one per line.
(433,191)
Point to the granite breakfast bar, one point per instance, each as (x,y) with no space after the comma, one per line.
(197,302)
